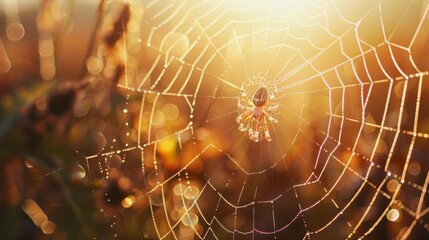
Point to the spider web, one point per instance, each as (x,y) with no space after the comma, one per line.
(347,159)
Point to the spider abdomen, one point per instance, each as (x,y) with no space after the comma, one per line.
(260,96)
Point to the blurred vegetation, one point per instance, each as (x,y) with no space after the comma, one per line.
(38,109)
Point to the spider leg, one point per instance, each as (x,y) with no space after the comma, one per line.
(246,99)
(266,131)
(254,129)
(270,118)
(250,126)
(258,128)
(273,107)
(260,122)
(244,104)
(242,119)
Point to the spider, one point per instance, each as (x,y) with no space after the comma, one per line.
(255,117)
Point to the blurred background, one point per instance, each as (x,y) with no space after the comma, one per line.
(118,119)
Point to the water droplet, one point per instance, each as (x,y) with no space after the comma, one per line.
(114,161)
(100,139)
(191,193)
(78,172)
(155,197)
(5,64)
(393,215)
(190,219)
(15,31)
(179,189)
(154,178)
